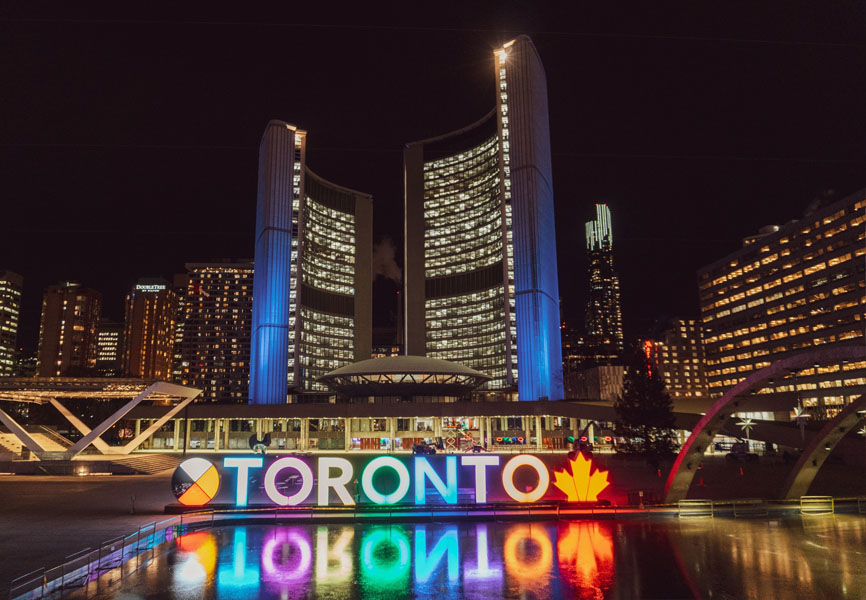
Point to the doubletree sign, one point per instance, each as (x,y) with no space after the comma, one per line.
(339,480)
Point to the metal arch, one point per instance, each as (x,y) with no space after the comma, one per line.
(819,448)
(721,413)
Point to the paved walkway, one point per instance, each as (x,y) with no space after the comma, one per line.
(45,519)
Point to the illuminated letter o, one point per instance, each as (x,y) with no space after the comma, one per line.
(367,480)
(525,460)
(301,467)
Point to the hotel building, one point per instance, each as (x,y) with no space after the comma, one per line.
(148,330)
(312,309)
(481,283)
(213,348)
(785,291)
(68,330)
(11,285)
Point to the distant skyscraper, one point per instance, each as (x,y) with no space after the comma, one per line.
(148,330)
(11,285)
(109,349)
(214,347)
(312,311)
(480,244)
(68,330)
(604,336)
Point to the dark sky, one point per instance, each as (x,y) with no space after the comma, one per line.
(129,141)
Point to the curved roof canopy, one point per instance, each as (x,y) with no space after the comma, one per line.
(404,376)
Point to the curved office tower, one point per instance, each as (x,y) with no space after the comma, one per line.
(312,290)
(480,244)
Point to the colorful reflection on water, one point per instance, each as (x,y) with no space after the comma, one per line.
(821,557)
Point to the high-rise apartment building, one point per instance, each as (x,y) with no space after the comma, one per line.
(604,336)
(68,330)
(148,330)
(481,283)
(109,352)
(786,291)
(214,345)
(11,285)
(679,352)
(312,310)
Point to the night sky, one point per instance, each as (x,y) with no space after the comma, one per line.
(129,141)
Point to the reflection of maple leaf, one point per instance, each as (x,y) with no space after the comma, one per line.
(580,486)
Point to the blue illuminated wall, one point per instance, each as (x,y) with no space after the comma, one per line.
(269,344)
(536,286)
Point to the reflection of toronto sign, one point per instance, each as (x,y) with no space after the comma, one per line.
(420,480)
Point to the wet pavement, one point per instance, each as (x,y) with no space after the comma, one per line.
(804,557)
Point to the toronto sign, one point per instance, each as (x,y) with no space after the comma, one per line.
(325,480)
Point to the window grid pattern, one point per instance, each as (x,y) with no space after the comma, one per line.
(785,292)
(327,343)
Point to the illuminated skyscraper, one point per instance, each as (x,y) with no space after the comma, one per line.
(480,243)
(213,343)
(148,329)
(604,337)
(10,309)
(312,309)
(68,330)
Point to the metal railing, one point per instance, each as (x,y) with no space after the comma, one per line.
(111,562)
(695,509)
(817,505)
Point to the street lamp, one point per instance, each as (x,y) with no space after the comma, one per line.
(800,416)
(746,425)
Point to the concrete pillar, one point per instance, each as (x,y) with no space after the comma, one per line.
(526,431)
(137,427)
(259,429)
(176,434)
(226,428)
(392,426)
(347,434)
(187,428)
(216,434)
(590,433)
(538,439)
(575,430)
(305,433)
(437,427)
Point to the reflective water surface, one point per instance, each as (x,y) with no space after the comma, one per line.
(818,557)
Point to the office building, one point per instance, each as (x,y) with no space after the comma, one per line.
(604,337)
(481,283)
(11,285)
(312,309)
(109,349)
(68,330)
(788,290)
(214,345)
(148,331)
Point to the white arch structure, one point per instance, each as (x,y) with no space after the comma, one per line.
(721,414)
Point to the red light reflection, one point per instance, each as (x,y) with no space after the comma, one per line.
(585,552)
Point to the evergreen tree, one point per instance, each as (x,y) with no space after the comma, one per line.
(644,410)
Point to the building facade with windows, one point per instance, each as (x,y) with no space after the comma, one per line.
(109,349)
(148,329)
(679,353)
(11,285)
(312,310)
(604,337)
(68,330)
(787,290)
(213,341)
(481,283)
